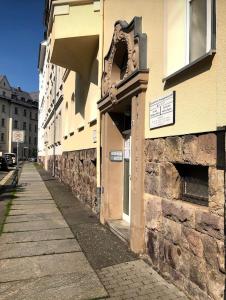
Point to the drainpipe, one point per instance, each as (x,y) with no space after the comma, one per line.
(54,123)
(224,210)
(221,165)
(98,112)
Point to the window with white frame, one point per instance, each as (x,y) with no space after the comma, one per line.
(189,32)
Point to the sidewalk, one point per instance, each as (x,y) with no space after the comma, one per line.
(39,256)
(41,259)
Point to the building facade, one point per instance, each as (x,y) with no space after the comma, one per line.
(141,126)
(19,111)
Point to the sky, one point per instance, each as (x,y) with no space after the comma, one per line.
(21,31)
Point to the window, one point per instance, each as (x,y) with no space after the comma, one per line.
(16,111)
(30,115)
(36,116)
(25,112)
(35,128)
(194,183)
(189,32)
(35,140)
(3,122)
(3,108)
(2,137)
(3,93)
(29,140)
(30,127)
(24,125)
(197,24)
(15,124)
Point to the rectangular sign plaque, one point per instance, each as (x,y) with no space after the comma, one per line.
(116,156)
(162,111)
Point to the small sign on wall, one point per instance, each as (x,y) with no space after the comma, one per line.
(116,156)
(94,136)
(162,111)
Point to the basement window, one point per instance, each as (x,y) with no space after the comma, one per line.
(194,183)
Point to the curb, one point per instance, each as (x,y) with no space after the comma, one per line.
(7,178)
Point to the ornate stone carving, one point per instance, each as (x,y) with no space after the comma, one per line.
(127,41)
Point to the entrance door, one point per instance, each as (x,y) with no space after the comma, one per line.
(127,177)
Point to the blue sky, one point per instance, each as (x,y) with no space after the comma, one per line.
(21,30)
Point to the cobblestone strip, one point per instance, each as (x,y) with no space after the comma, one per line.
(137,280)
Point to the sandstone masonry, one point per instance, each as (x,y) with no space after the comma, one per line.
(185,241)
(77,169)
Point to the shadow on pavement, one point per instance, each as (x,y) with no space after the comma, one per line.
(101,247)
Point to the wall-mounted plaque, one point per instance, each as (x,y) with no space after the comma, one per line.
(116,156)
(94,136)
(162,111)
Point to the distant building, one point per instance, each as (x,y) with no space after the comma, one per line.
(18,110)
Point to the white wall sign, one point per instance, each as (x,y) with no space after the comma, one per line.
(18,136)
(162,111)
(116,155)
(94,136)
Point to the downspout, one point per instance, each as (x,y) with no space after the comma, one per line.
(224,210)
(54,125)
(98,112)
(221,165)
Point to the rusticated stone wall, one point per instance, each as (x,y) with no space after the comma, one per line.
(41,161)
(185,241)
(77,169)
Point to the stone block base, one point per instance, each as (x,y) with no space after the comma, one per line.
(185,241)
(77,169)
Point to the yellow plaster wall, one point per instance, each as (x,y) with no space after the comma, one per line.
(198,94)
(174,20)
(221,63)
(76,23)
(72,121)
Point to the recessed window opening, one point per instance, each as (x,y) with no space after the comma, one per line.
(194,183)
(120,62)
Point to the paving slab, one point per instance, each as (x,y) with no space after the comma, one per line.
(33,198)
(38,248)
(39,266)
(34,193)
(16,212)
(79,286)
(33,206)
(32,236)
(34,217)
(35,225)
(32,202)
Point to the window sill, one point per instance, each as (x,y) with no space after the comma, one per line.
(189,66)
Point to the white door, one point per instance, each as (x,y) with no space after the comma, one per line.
(127,178)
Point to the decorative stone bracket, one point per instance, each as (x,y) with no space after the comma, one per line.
(127,54)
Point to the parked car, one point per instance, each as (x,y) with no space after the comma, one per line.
(3,164)
(33,159)
(11,158)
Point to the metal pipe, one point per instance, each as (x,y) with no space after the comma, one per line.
(54,125)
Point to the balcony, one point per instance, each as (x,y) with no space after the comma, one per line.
(74,28)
